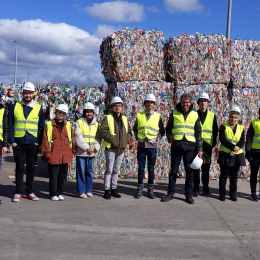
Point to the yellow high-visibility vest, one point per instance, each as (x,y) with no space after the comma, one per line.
(89,135)
(21,125)
(1,124)
(111,126)
(232,138)
(49,133)
(183,127)
(256,139)
(148,129)
(207,133)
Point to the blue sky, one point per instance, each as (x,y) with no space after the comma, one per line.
(58,41)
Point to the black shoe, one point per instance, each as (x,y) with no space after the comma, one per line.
(233,198)
(167,198)
(115,194)
(189,200)
(139,192)
(196,193)
(150,191)
(1,202)
(207,194)
(222,198)
(107,195)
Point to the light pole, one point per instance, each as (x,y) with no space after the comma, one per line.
(15,61)
(28,77)
(229,19)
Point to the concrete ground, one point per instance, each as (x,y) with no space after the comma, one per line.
(125,228)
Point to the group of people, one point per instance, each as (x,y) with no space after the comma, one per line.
(192,134)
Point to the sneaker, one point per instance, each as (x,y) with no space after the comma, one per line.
(167,198)
(89,194)
(17,197)
(189,200)
(54,198)
(253,197)
(60,197)
(82,196)
(196,193)
(207,194)
(32,196)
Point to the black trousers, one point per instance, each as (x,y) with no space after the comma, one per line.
(232,172)
(25,153)
(204,176)
(254,164)
(57,178)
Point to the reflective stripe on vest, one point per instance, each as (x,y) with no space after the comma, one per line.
(148,129)
(1,123)
(21,125)
(206,128)
(232,138)
(183,127)
(49,133)
(111,126)
(89,135)
(256,138)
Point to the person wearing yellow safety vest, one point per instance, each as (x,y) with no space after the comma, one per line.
(148,129)
(4,133)
(184,133)
(87,146)
(209,135)
(253,153)
(116,132)
(26,121)
(58,150)
(231,153)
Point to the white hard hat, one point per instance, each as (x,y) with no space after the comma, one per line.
(150,97)
(88,105)
(235,109)
(28,86)
(62,107)
(116,100)
(203,95)
(196,164)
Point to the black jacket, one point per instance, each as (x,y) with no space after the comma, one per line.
(224,158)
(184,144)
(5,142)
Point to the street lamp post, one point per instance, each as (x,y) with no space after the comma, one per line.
(229,19)
(28,77)
(15,61)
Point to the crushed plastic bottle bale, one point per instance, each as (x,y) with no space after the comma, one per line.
(197,59)
(133,55)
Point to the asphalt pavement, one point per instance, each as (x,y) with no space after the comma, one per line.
(126,228)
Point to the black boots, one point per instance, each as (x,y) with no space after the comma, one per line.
(150,191)
(139,192)
(115,194)
(107,195)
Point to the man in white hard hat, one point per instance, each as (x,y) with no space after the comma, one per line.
(184,133)
(26,120)
(209,135)
(253,153)
(231,153)
(148,129)
(116,132)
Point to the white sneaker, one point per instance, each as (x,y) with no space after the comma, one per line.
(54,198)
(60,197)
(89,194)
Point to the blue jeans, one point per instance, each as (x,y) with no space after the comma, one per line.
(141,158)
(84,174)
(188,157)
(0,162)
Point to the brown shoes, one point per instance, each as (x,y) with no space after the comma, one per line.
(167,198)
(189,200)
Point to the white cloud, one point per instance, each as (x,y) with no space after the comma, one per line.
(117,11)
(183,6)
(153,9)
(52,52)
